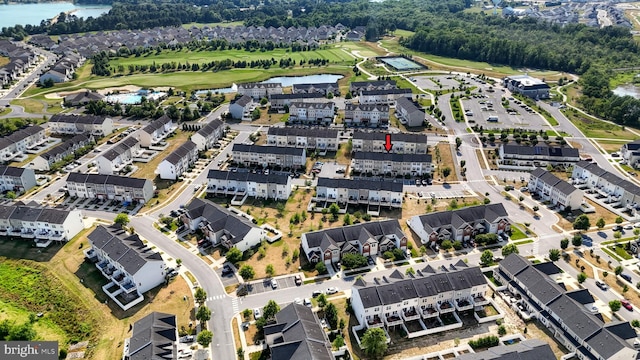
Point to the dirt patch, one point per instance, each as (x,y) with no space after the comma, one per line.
(481,159)
(608,216)
(236,333)
(444,158)
(581,264)
(535,330)
(127,88)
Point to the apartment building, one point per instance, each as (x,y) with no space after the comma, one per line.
(297,335)
(427,298)
(383,97)
(460,225)
(14,145)
(241,108)
(567,314)
(357,86)
(303,137)
(131,267)
(221,226)
(368,239)
(358,192)
(109,187)
(16,179)
(118,156)
(630,153)
(280,102)
(259,90)
(391,163)
(403,143)
(44,161)
(613,189)
(155,336)
(255,155)
(42,224)
(208,135)
(366,115)
(527,157)
(179,161)
(554,190)
(525,350)
(70,124)
(409,113)
(316,113)
(246,183)
(323,88)
(156,131)
(82,98)
(527,86)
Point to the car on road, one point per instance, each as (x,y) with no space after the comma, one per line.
(626,277)
(297,301)
(433,195)
(187,339)
(307,302)
(298,280)
(185,353)
(617,228)
(602,285)
(316,293)
(257,313)
(626,304)
(274,284)
(331,290)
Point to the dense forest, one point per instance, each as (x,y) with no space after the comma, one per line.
(598,99)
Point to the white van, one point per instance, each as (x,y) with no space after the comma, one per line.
(492,119)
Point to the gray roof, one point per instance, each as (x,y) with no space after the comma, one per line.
(243,101)
(154,337)
(157,124)
(77,119)
(11,171)
(267,149)
(127,250)
(614,179)
(379,135)
(33,213)
(579,321)
(530,349)
(323,86)
(408,105)
(360,184)
(541,150)
(255,85)
(210,127)
(377,83)
(313,105)
(248,177)
(66,147)
(19,135)
(295,96)
(120,148)
(366,107)
(303,131)
(125,181)
(181,152)
(457,218)
(385,92)
(220,219)
(379,156)
(342,235)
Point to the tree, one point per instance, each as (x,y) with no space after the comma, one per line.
(605,274)
(270,270)
(11,195)
(554,254)
(446,245)
(582,223)
(615,305)
(458,143)
(270,310)
(204,338)
(374,342)
(353,261)
(600,223)
(617,235)
(321,268)
(338,342)
(510,249)
(121,219)
(331,314)
(411,271)
(347,219)
(619,220)
(582,277)
(577,240)
(234,255)
(200,295)
(564,244)
(247,272)
(446,171)
(322,300)
(618,270)
(204,314)
(486,258)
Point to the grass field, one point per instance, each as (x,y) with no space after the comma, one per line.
(30,105)
(363,48)
(4,60)
(594,128)
(44,327)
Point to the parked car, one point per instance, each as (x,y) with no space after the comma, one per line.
(331,290)
(173,274)
(187,339)
(274,284)
(185,353)
(256,313)
(297,301)
(628,227)
(370,261)
(601,285)
(307,302)
(626,277)
(226,270)
(316,293)
(617,228)
(626,304)
(298,280)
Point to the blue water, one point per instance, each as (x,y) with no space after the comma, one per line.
(285,80)
(33,14)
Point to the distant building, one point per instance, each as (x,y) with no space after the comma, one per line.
(109,187)
(71,124)
(527,86)
(45,161)
(526,157)
(303,137)
(524,350)
(554,190)
(156,131)
(16,179)
(356,86)
(280,102)
(323,88)
(82,98)
(383,96)
(179,161)
(255,155)
(630,152)
(209,134)
(246,183)
(155,336)
(613,189)
(320,113)
(366,115)
(259,90)
(241,108)
(409,113)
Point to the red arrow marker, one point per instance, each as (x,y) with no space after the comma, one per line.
(387,143)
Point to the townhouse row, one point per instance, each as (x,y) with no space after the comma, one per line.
(254,155)
(391,164)
(179,161)
(15,145)
(72,124)
(367,192)
(16,179)
(554,190)
(306,138)
(109,187)
(525,157)
(242,184)
(613,189)
(45,160)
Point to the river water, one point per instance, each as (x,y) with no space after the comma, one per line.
(24,14)
(628,89)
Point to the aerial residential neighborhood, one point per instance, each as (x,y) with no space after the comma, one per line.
(320,181)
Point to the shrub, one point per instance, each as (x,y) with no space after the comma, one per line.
(484,342)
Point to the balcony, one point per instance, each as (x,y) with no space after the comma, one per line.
(27,234)
(445,307)
(108,271)
(129,287)
(464,304)
(119,277)
(410,314)
(393,320)
(374,321)
(429,312)
(91,255)
(480,300)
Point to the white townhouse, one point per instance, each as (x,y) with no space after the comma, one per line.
(70,124)
(15,144)
(179,161)
(383,97)
(109,187)
(241,108)
(630,152)
(303,137)
(366,115)
(426,298)
(259,90)
(391,163)
(256,155)
(357,86)
(155,336)
(323,88)
(460,225)
(526,157)
(555,190)
(131,267)
(119,156)
(156,131)
(367,239)
(280,102)
(241,183)
(43,224)
(319,113)
(208,135)
(403,143)
(615,190)
(16,179)
(44,161)
(409,113)
(221,226)
(362,191)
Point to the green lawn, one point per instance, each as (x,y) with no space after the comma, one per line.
(620,251)
(594,128)
(29,105)
(44,327)
(517,234)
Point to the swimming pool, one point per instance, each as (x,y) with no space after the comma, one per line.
(133,98)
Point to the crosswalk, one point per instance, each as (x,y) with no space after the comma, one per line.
(234,305)
(217,297)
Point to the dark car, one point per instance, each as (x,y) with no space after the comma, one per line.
(226,270)
(626,277)
(370,261)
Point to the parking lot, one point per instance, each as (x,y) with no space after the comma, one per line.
(261,286)
(431,82)
(331,169)
(480,107)
(228,279)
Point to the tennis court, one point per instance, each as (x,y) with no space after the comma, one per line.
(401,63)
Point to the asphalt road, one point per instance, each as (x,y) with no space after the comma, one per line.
(32,77)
